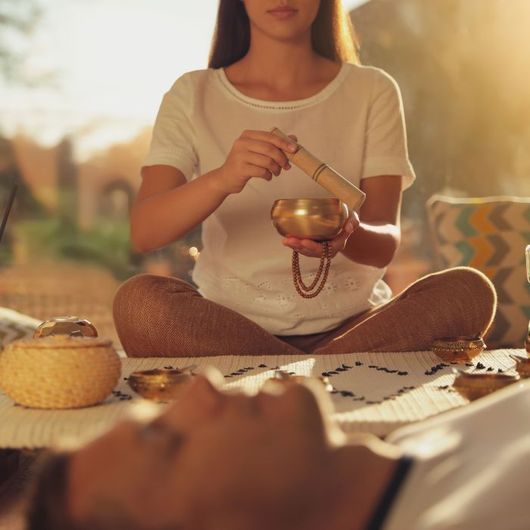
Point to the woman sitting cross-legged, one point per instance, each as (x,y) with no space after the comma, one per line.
(213,161)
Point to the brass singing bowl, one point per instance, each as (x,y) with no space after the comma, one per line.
(317,219)
(474,386)
(159,384)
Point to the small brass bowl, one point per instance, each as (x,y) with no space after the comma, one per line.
(159,384)
(474,386)
(317,219)
(71,325)
(458,349)
(522,365)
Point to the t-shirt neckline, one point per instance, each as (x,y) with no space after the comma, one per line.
(282,105)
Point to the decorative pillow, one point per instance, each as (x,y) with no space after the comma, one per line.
(15,325)
(489,234)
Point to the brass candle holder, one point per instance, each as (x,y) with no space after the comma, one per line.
(473,386)
(160,384)
(522,366)
(316,219)
(458,349)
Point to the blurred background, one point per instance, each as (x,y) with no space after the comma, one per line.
(81,82)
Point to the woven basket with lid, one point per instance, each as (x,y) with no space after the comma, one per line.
(59,372)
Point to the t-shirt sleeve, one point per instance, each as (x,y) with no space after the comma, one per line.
(386,150)
(173,139)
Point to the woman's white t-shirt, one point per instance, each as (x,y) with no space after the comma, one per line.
(355,124)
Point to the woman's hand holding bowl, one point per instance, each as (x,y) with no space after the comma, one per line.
(313,249)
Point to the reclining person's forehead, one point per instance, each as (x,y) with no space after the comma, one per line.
(202,392)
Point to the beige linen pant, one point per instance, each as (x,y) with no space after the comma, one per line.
(166,317)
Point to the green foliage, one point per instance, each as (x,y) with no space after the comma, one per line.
(5,255)
(105,244)
(41,236)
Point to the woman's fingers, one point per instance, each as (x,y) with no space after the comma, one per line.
(266,150)
(269,137)
(353,222)
(339,243)
(303,245)
(254,154)
(313,249)
(264,162)
(252,170)
(306,247)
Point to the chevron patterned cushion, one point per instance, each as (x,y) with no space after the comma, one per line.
(489,234)
(15,325)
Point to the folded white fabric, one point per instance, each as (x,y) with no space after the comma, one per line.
(14,325)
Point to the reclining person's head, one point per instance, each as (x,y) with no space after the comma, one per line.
(215,461)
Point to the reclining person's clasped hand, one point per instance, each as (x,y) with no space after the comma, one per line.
(270,461)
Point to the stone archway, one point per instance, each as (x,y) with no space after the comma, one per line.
(115,200)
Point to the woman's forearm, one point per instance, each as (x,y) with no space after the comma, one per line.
(165,217)
(373,244)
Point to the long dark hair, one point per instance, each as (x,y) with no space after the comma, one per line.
(332,34)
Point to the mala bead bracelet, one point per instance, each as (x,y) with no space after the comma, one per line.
(312,290)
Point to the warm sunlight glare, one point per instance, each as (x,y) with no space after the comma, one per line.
(108,63)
